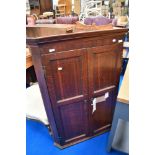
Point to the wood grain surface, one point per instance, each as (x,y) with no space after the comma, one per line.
(82,66)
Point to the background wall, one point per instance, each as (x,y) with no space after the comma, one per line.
(55,2)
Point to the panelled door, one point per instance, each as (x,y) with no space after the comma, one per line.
(66,76)
(104,65)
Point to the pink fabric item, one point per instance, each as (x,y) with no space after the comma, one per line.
(45,21)
(31,20)
(114,22)
(67,20)
(99,20)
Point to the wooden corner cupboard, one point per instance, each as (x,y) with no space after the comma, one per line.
(78,75)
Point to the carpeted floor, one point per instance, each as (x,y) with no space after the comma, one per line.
(39,142)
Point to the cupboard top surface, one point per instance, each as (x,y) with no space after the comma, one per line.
(45,30)
(57,32)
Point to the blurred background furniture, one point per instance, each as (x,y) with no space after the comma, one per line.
(30,72)
(68,6)
(31,19)
(99,20)
(48,14)
(34,4)
(28,58)
(40,6)
(28,7)
(77,6)
(90,8)
(67,20)
(116,10)
(60,10)
(122,21)
(34,106)
(119,134)
(45,21)
(59,20)
(106,8)
(119,8)
(63,8)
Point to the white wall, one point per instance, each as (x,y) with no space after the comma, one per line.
(55,2)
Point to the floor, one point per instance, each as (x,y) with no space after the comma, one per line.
(120,82)
(39,142)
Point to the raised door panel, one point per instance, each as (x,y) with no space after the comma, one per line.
(66,76)
(74,121)
(104,65)
(68,71)
(103,68)
(102,117)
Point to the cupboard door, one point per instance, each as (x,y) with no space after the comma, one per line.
(104,65)
(66,76)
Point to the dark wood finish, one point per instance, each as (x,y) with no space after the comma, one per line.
(45,6)
(44,92)
(68,90)
(84,66)
(42,6)
(103,62)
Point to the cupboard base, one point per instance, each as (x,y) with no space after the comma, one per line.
(81,140)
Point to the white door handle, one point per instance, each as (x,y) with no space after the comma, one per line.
(59,68)
(114,40)
(120,41)
(51,50)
